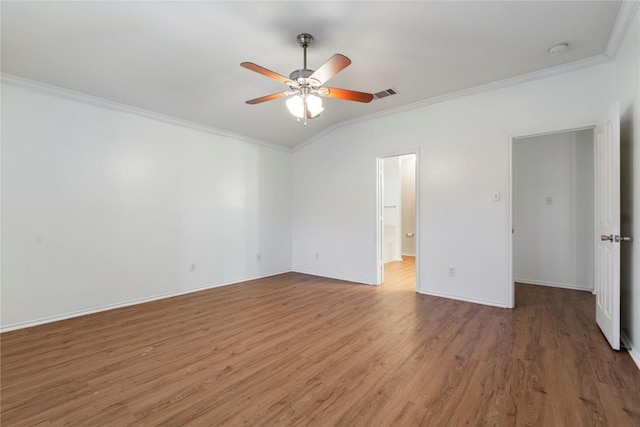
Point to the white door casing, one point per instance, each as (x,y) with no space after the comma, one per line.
(607,225)
(379,219)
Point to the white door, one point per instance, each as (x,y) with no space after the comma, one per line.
(607,218)
(408,201)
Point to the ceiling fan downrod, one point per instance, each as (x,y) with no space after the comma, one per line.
(302,75)
(304,40)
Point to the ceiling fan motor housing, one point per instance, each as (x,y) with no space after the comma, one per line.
(302,73)
(301,77)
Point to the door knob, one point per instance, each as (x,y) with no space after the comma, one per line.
(615,238)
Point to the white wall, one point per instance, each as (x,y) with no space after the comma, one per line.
(553,243)
(408,181)
(101,207)
(464,158)
(392,206)
(585,211)
(627,76)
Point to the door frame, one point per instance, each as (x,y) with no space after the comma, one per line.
(379,203)
(511,297)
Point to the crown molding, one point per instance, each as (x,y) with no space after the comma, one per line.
(488,87)
(626,13)
(112,105)
(115,106)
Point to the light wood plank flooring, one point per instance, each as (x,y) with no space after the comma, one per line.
(302,350)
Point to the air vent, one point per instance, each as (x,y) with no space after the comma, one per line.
(385,93)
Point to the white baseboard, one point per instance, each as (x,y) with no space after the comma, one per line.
(633,351)
(465,299)
(98,309)
(343,278)
(553,285)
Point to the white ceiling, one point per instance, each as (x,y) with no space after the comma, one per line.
(182,58)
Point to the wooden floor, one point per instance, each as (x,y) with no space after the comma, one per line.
(302,350)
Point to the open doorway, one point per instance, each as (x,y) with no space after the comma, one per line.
(553,210)
(397,221)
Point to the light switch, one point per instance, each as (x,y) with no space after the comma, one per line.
(496,196)
(549,200)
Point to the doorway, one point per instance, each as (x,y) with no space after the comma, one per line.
(397,211)
(552,205)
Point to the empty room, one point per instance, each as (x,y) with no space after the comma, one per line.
(323,213)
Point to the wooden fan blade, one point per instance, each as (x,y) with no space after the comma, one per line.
(266,98)
(349,95)
(333,66)
(265,72)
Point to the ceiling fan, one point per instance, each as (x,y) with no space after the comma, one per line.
(306,85)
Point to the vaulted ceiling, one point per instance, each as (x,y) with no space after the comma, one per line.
(182,58)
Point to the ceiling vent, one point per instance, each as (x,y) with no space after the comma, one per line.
(385,93)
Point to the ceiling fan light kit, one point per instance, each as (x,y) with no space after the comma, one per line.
(296,106)
(306,85)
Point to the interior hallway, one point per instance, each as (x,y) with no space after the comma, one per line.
(400,275)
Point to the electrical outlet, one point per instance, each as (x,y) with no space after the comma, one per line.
(452,271)
(192,267)
(496,196)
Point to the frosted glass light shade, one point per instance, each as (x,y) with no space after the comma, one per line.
(295,104)
(314,104)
